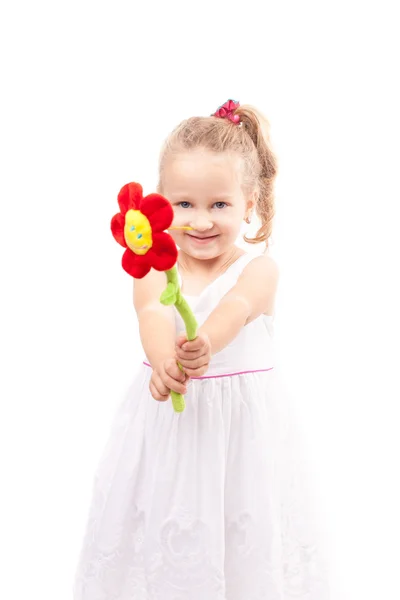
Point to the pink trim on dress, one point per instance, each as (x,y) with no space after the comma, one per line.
(227,374)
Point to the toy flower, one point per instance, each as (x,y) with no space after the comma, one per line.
(139,228)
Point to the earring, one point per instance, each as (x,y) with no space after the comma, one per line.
(248,220)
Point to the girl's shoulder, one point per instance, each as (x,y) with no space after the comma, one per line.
(259,265)
(260,277)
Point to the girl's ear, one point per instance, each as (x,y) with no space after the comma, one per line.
(251,203)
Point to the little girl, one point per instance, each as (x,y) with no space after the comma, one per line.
(206,504)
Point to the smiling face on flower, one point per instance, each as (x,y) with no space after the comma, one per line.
(137,232)
(139,228)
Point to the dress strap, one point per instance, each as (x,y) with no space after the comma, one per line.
(242,262)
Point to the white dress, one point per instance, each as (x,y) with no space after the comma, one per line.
(207,504)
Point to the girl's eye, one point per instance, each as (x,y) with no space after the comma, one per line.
(133,228)
(218,204)
(187,204)
(140,235)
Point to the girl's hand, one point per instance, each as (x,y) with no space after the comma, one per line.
(194,356)
(165,378)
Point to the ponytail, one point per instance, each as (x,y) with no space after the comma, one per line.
(257,127)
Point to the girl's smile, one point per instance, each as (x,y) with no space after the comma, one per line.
(202,239)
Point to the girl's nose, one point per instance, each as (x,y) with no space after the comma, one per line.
(201,224)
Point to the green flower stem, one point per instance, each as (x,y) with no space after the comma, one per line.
(173,295)
(182,306)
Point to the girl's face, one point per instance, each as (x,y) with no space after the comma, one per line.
(205,191)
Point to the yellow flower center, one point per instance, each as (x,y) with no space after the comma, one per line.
(137,232)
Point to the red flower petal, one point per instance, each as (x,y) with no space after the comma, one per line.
(164,253)
(158,211)
(130,196)
(135,265)
(117,228)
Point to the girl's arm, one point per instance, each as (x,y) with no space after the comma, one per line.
(157,333)
(251,296)
(156,321)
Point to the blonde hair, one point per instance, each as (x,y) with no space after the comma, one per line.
(249,139)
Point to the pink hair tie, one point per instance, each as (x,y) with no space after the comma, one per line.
(226,111)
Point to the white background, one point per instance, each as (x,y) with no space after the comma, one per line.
(89,92)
